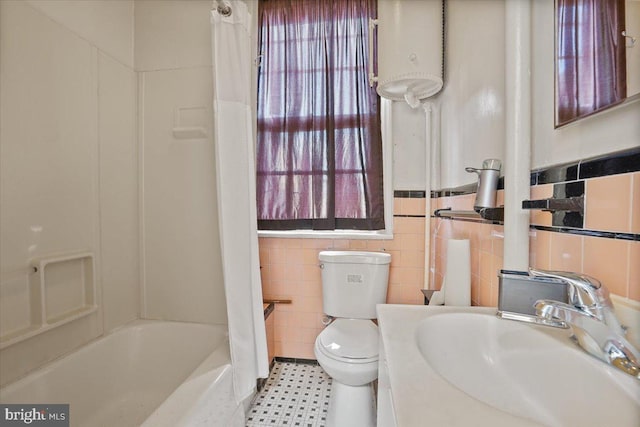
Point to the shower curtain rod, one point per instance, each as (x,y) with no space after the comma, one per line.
(222,7)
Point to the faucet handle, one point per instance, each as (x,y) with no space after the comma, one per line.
(587,294)
(576,279)
(584,291)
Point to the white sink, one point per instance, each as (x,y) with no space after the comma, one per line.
(465,366)
(517,368)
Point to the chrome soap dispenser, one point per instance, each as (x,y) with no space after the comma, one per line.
(488,177)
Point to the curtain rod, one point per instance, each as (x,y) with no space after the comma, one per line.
(222,7)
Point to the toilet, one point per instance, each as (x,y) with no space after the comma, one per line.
(352,284)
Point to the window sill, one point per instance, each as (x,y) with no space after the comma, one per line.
(333,234)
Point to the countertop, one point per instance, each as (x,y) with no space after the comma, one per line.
(420,395)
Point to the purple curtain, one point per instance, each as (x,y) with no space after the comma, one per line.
(590,63)
(319,150)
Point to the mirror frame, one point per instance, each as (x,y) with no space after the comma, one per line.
(618,55)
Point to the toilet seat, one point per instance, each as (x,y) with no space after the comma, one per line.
(350,341)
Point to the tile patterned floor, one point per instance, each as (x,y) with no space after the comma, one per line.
(294,395)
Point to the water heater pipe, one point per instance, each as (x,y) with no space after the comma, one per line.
(429,109)
(517,163)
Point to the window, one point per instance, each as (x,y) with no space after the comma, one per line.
(319,146)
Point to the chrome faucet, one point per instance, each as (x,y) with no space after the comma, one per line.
(587,294)
(590,315)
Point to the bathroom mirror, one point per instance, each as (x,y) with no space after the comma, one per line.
(597,56)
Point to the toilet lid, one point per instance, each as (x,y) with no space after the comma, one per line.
(351,338)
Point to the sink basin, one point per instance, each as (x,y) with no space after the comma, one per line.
(529,371)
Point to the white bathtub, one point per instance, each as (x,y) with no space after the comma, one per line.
(148,372)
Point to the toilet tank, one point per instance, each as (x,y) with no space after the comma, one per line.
(353,282)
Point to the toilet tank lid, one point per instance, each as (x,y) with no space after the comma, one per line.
(354,257)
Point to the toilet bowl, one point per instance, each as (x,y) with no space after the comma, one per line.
(347,349)
(348,352)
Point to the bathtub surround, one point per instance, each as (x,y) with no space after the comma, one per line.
(68,166)
(181,272)
(74,177)
(107,381)
(94,21)
(235,173)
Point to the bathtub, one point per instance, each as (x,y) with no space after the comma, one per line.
(151,373)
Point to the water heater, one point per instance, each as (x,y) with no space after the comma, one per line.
(410,45)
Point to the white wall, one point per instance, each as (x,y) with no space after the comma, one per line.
(632,27)
(609,131)
(409,143)
(472,101)
(67,165)
(181,254)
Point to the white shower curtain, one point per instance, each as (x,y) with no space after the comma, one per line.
(235,172)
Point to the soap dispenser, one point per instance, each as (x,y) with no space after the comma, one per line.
(488,177)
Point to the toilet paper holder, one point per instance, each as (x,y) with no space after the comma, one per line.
(566,205)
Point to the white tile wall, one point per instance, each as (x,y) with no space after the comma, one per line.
(67,111)
(172,34)
(182,267)
(118,191)
(95,21)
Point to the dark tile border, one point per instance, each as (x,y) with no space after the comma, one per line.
(296,360)
(615,163)
(553,174)
(409,194)
(589,233)
(457,191)
(477,221)
(566,230)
